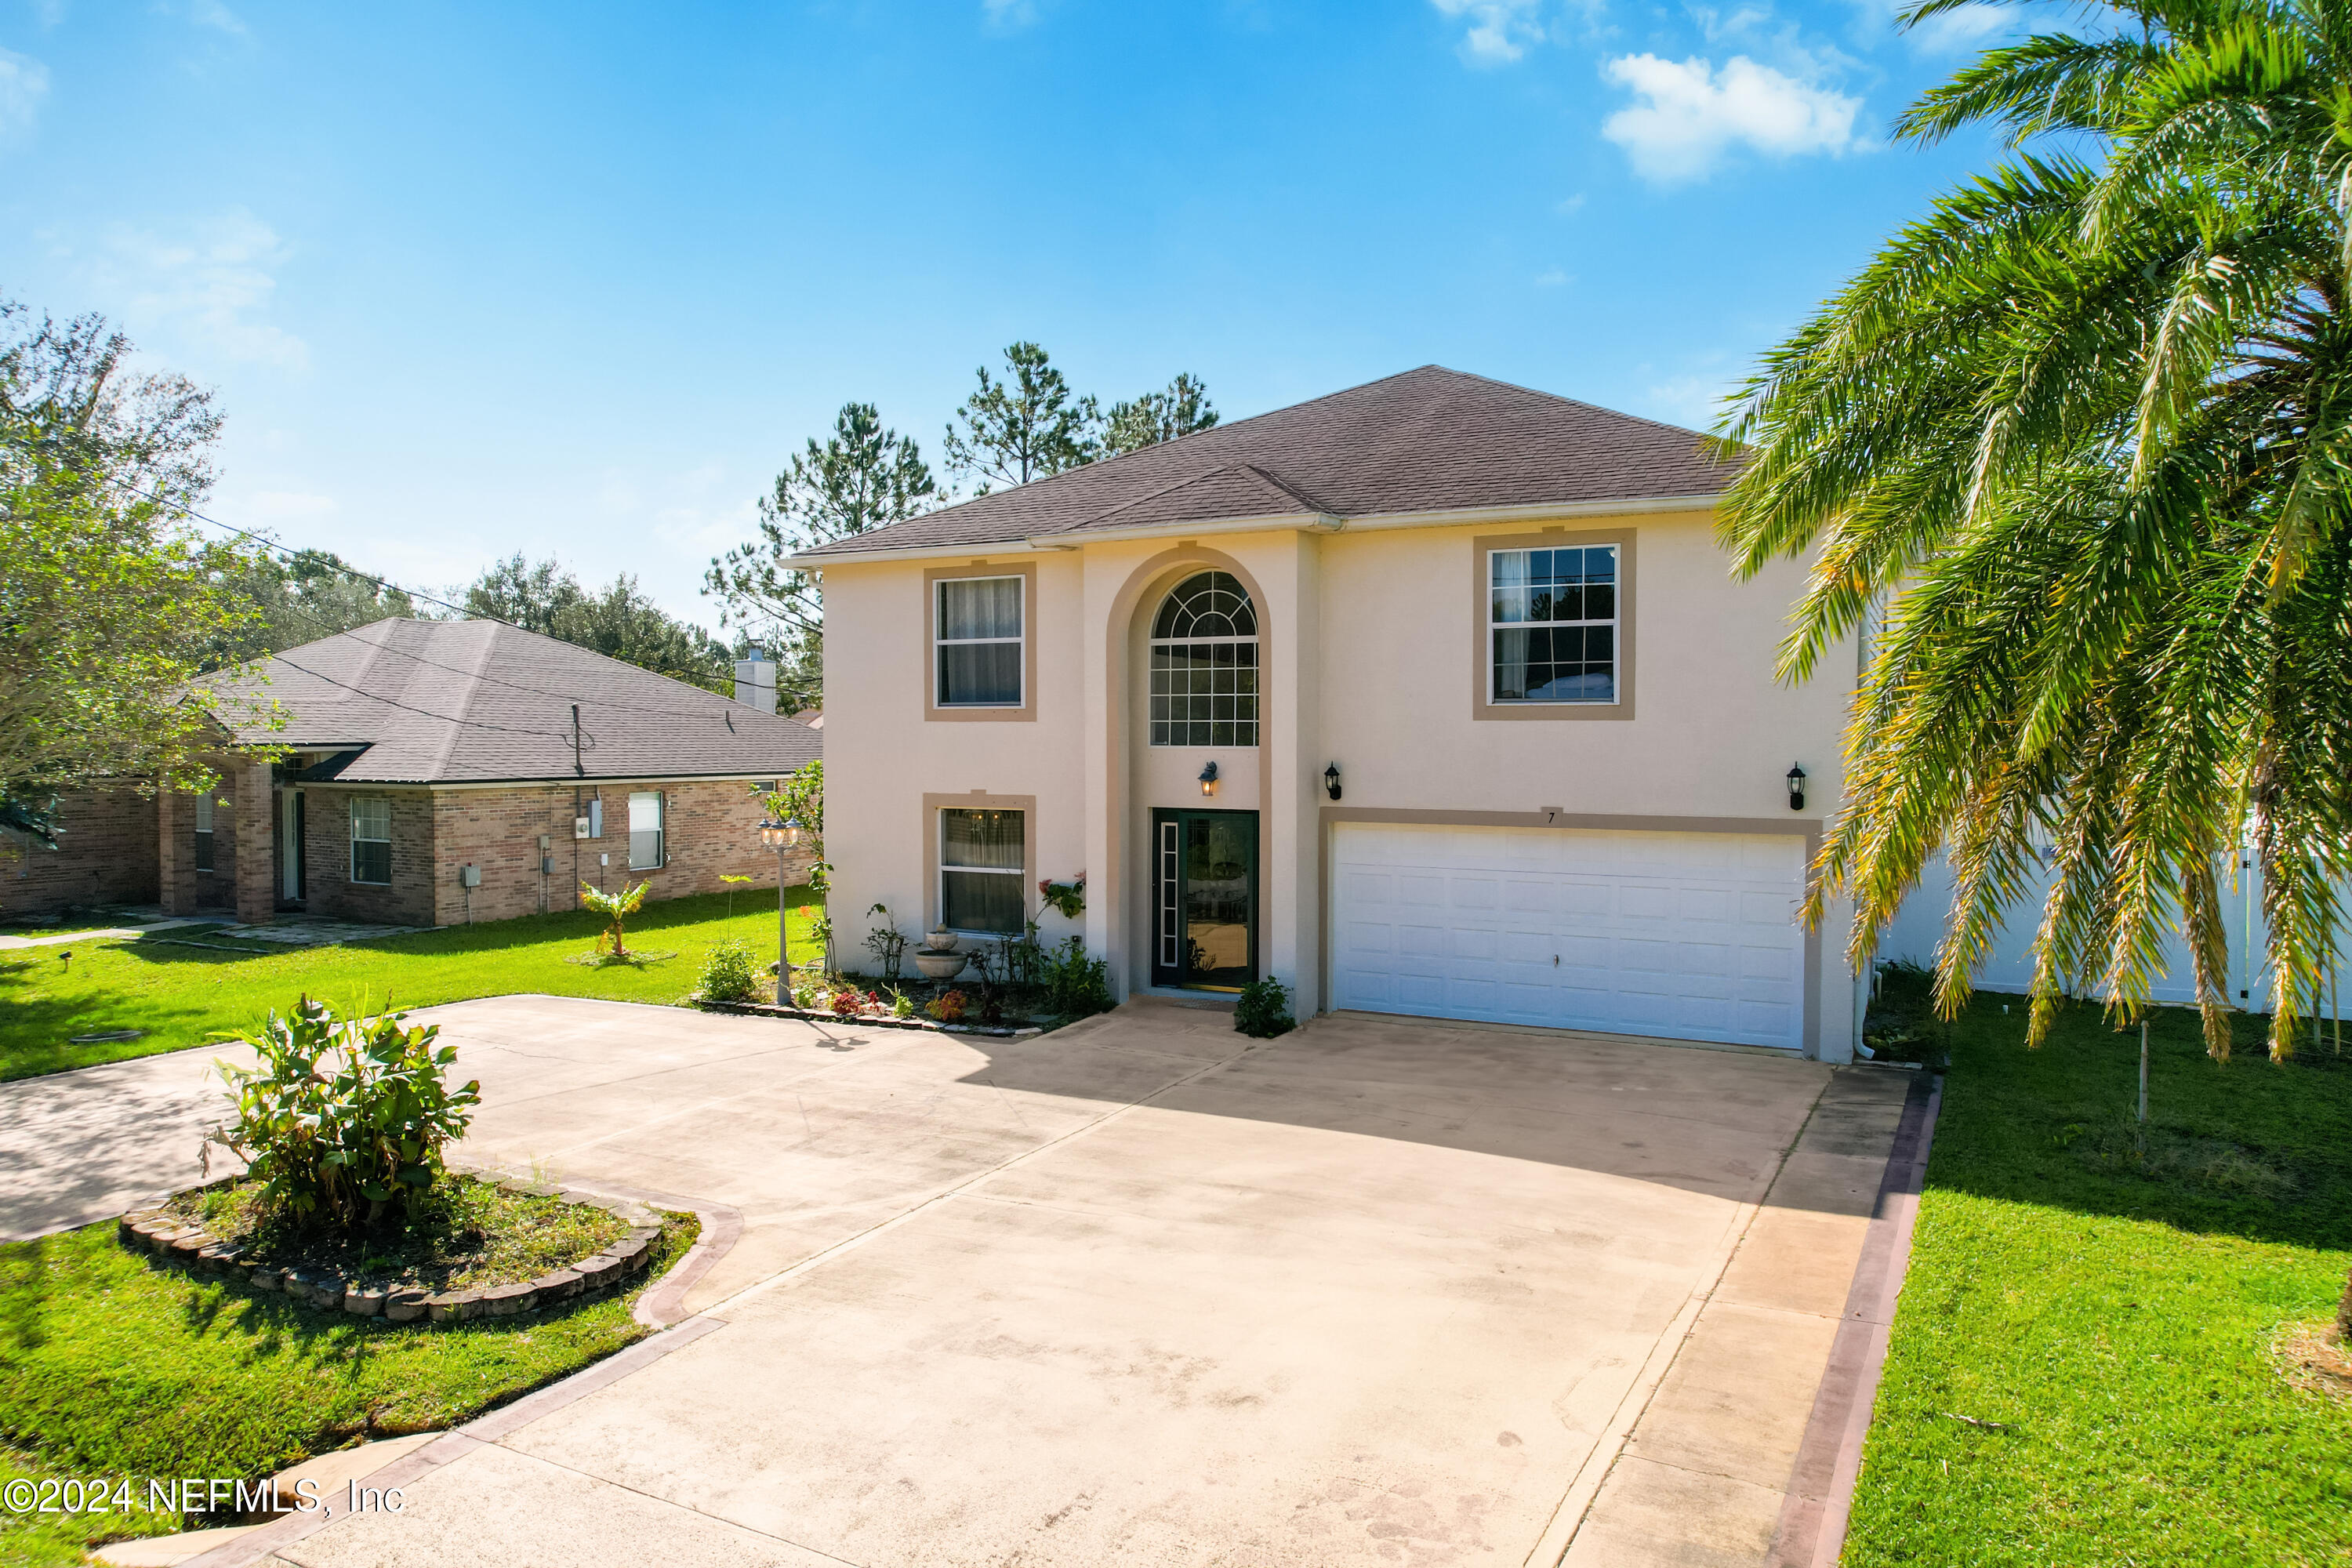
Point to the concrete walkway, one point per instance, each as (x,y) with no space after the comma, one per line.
(1143,1291)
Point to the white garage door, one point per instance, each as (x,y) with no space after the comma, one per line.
(1685,936)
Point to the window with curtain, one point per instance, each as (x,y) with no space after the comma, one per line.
(1552,625)
(204,833)
(645,825)
(1205,665)
(983,875)
(372,839)
(978,635)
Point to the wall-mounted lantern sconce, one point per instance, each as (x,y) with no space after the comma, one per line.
(1332,781)
(1209,779)
(1796,787)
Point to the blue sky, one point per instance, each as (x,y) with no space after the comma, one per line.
(575,278)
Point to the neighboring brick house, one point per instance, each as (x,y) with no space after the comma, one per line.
(437,772)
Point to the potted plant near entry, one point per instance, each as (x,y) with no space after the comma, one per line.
(940,960)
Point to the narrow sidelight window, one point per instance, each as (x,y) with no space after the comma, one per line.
(983,875)
(646,831)
(372,839)
(1551,618)
(978,632)
(204,833)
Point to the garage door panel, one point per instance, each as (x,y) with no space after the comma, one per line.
(1682,935)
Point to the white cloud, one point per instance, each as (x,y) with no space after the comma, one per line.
(1500,30)
(1947,33)
(290,506)
(1554,278)
(1690,114)
(213,13)
(1569,206)
(215,283)
(1693,402)
(1008,15)
(24,82)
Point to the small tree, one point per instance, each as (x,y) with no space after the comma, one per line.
(800,798)
(616,908)
(345,1119)
(1157,417)
(1021,428)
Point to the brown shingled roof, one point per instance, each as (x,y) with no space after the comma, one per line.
(1430,439)
(475,701)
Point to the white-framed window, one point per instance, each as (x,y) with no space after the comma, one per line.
(646,820)
(1205,664)
(978,632)
(205,833)
(372,839)
(984,869)
(1551,619)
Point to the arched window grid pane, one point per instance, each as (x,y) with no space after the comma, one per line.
(1204,673)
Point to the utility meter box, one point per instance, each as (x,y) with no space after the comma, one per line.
(469,876)
(580,827)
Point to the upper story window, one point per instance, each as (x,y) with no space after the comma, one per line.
(1552,622)
(977,631)
(1205,665)
(370,840)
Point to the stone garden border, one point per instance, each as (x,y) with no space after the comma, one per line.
(864,1020)
(150,1230)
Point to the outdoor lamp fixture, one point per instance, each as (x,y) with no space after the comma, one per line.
(780,837)
(1332,781)
(1209,779)
(1796,787)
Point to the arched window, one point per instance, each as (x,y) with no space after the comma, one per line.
(1205,665)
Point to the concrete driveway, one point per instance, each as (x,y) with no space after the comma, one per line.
(1143,1291)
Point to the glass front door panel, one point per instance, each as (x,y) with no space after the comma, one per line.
(1207,896)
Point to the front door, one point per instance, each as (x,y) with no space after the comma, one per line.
(289,847)
(1204,874)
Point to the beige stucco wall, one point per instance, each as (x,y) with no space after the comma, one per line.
(1368,642)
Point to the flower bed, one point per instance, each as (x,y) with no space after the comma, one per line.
(609,1242)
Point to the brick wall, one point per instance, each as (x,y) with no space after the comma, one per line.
(106,855)
(327,856)
(711,827)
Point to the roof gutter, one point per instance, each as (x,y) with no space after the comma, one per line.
(1306,522)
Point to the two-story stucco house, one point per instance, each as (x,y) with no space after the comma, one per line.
(1435,696)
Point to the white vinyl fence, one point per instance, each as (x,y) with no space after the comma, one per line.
(1918,926)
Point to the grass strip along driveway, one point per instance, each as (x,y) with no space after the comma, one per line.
(186,995)
(113,1365)
(2083,1367)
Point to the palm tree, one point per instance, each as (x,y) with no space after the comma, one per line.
(2073,453)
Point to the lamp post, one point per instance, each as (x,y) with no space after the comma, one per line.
(780,837)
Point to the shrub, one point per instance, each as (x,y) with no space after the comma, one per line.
(902,1006)
(730,974)
(1263,1010)
(849,1001)
(1077,986)
(947,1008)
(345,1119)
(886,941)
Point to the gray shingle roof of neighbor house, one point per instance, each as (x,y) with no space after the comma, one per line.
(1430,439)
(404,701)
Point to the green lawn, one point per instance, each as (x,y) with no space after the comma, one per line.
(2110,1301)
(111,1364)
(186,995)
